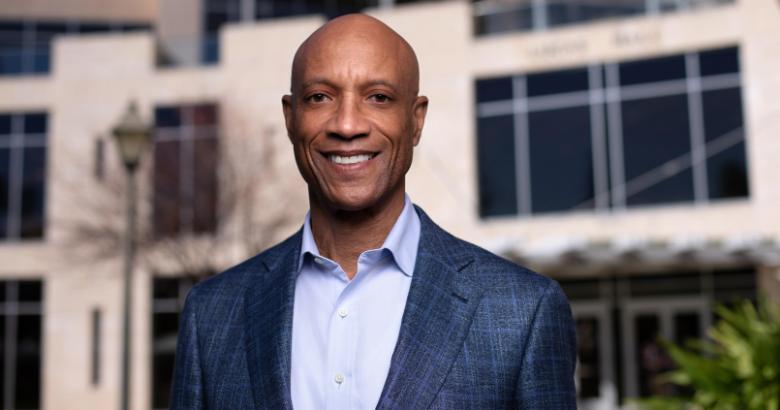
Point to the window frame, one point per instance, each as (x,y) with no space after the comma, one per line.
(16,143)
(605,97)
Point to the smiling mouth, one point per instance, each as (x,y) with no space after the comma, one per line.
(350,159)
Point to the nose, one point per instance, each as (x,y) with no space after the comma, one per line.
(348,121)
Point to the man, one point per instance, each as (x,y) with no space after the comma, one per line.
(370,304)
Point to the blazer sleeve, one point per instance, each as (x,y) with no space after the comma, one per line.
(187,388)
(547,372)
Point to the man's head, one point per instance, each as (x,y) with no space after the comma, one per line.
(353,115)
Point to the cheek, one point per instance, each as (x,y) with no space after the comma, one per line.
(302,160)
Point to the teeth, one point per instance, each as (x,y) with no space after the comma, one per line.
(350,160)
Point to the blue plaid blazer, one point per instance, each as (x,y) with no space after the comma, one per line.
(478,332)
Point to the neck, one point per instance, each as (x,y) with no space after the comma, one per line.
(343,235)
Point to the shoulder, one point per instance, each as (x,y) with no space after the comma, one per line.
(233,282)
(486,269)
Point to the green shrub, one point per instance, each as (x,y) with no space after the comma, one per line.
(738,369)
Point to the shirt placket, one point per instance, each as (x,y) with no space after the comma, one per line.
(341,349)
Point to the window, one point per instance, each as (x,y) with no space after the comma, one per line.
(22,174)
(653,131)
(498,16)
(185,169)
(25,46)
(168,296)
(219,12)
(21,318)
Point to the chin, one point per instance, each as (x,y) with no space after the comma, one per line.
(353,203)
(352,200)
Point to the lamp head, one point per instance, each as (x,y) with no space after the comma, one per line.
(132,136)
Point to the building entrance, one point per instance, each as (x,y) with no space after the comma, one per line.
(621,321)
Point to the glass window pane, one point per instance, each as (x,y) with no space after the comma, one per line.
(204,115)
(505,17)
(727,173)
(162,378)
(720,61)
(5,125)
(93,28)
(563,12)
(11,59)
(205,201)
(651,357)
(165,324)
(215,20)
(33,193)
(578,289)
(656,150)
(561,161)
(5,184)
(134,27)
(2,349)
(167,201)
(30,291)
(734,284)
(167,117)
(555,82)
(496,162)
(165,288)
(11,27)
(49,29)
(680,283)
(726,160)
(209,49)
(652,70)
(494,89)
(28,362)
(35,123)
(41,58)
(722,113)
(588,369)
(686,327)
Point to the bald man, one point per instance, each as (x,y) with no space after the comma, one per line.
(370,304)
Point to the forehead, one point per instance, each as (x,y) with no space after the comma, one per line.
(352,57)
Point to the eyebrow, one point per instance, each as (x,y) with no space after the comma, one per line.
(316,81)
(326,82)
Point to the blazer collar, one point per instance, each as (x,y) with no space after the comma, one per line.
(442,300)
(268,308)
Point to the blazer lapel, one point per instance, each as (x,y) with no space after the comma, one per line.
(442,300)
(268,307)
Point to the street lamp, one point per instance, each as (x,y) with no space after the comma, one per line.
(132,136)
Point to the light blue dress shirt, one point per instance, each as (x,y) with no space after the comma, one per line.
(345,331)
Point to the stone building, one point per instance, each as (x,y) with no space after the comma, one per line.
(626,148)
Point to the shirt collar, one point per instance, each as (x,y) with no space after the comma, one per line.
(402,241)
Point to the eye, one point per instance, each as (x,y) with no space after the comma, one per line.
(317,98)
(380,98)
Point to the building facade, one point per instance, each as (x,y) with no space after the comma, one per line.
(624,148)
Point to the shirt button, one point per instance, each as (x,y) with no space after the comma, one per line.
(343,312)
(319,261)
(339,378)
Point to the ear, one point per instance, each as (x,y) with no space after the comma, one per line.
(287,109)
(419,109)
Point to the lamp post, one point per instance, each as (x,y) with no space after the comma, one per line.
(132,136)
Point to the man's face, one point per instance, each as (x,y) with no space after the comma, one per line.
(354,118)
